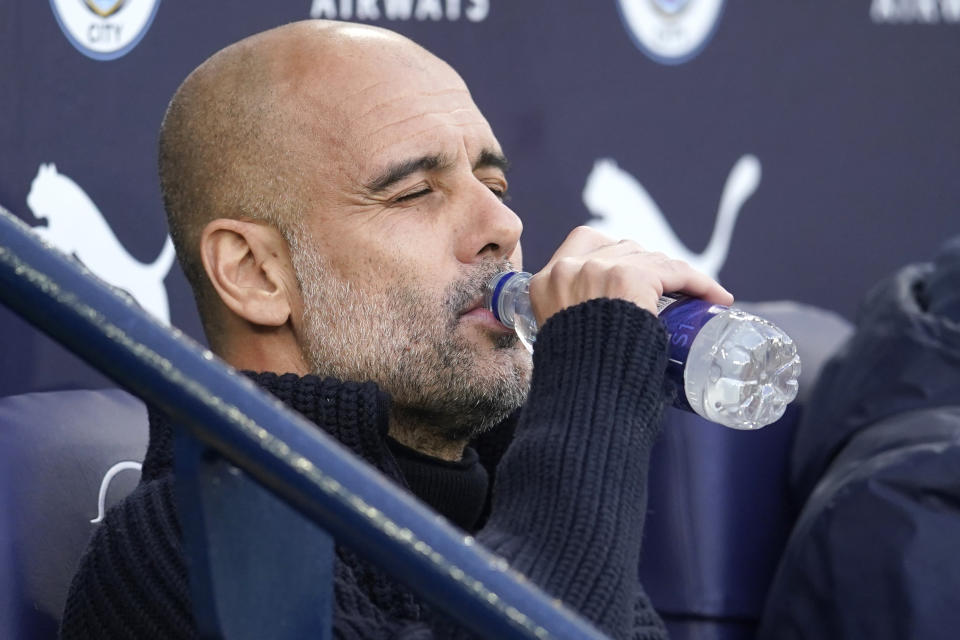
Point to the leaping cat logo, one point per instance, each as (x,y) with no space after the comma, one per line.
(76,227)
(125,465)
(623,209)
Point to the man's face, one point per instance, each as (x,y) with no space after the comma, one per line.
(408,229)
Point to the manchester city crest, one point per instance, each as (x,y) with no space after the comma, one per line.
(104,29)
(670,31)
(104,8)
(671,6)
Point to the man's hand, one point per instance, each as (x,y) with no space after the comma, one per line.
(590,265)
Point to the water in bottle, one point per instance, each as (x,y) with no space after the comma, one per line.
(733,367)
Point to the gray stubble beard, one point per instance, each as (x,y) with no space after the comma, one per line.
(409,345)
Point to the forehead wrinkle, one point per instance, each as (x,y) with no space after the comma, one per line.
(429,114)
(396,96)
(396,101)
(420,132)
(339,103)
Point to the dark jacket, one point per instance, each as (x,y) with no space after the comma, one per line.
(876,465)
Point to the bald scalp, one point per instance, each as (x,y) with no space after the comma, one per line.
(216,159)
(246,129)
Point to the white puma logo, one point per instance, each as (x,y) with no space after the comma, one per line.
(623,209)
(76,227)
(105,484)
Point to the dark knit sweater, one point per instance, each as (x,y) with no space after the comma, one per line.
(458,490)
(566,507)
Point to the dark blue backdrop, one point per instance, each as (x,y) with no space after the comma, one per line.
(851,111)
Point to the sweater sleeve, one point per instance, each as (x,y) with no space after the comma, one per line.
(570,494)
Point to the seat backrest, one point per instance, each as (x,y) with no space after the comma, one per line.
(719,513)
(64,455)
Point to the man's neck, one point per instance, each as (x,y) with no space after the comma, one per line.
(425,437)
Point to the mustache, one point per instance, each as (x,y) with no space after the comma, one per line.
(465,291)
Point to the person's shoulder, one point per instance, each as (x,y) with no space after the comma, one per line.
(148,512)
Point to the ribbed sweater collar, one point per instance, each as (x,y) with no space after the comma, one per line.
(458,490)
(357,415)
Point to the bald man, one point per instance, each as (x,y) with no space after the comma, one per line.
(337,203)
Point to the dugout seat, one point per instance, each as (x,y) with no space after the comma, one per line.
(63,456)
(719,512)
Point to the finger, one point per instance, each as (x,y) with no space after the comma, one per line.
(618,249)
(580,241)
(679,277)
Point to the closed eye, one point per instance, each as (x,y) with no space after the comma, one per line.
(411,196)
(499,191)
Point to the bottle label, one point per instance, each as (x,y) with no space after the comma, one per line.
(666,300)
(683,317)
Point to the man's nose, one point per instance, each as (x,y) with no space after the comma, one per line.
(491,228)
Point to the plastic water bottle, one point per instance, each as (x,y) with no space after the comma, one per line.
(735,368)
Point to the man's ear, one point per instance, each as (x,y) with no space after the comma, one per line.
(249,266)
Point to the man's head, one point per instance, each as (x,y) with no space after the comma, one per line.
(336,199)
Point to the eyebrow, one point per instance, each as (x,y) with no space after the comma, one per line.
(491,158)
(400,170)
